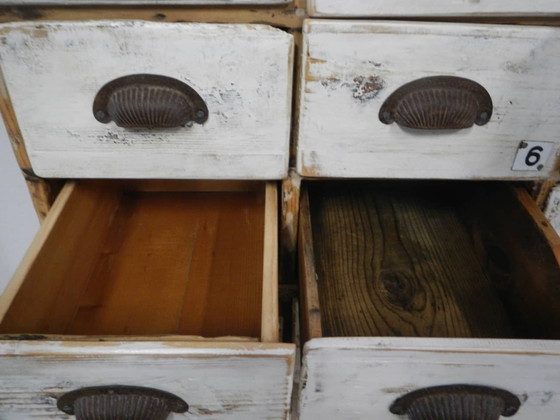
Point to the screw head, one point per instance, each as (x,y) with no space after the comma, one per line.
(100,115)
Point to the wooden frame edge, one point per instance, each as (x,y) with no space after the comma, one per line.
(47,226)
(270,326)
(310,308)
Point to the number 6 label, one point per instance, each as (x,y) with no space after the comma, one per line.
(532,155)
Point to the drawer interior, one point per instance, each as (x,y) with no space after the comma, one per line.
(427,259)
(150,258)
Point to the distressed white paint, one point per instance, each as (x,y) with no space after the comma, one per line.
(359,378)
(144,2)
(552,210)
(228,381)
(340,134)
(243,72)
(361,8)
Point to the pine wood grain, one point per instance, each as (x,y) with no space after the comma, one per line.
(398,261)
(148,263)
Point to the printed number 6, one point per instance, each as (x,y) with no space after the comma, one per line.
(533,156)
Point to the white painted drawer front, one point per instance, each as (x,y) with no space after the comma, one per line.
(243,72)
(221,381)
(433,7)
(359,378)
(351,68)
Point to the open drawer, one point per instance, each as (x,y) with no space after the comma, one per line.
(170,285)
(411,286)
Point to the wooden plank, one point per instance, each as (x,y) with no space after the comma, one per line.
(351,68)
(288,15)
(246,135)
(521,252)
(411,8)
(168,185)
(55,271)
(52,257)
(396,260)
(310,310)
(359,378)
(43,192)
(270,327)
(289,226)
(221,381)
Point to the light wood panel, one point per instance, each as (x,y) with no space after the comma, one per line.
(151,263)
(270,327)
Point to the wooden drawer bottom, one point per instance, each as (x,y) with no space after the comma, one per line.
(171,285)
(472,263)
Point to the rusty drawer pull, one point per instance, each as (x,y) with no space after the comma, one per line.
(457,402)
(118,402)
(438,103)
(149,101)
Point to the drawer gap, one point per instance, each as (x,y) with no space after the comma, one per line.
(128,260)
(426,259)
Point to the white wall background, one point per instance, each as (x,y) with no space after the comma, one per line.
(18,220)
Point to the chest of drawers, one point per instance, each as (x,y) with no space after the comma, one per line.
(157,267)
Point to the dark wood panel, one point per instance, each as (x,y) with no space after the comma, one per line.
(397,260)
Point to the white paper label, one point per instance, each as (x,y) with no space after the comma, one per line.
(532,155)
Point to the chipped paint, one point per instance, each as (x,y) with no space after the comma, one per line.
(365,375)
(248,129)
(364,61)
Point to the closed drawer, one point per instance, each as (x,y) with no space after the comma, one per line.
(352,69)
(362,8)
(407,286)
(55,71)
(167,285)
